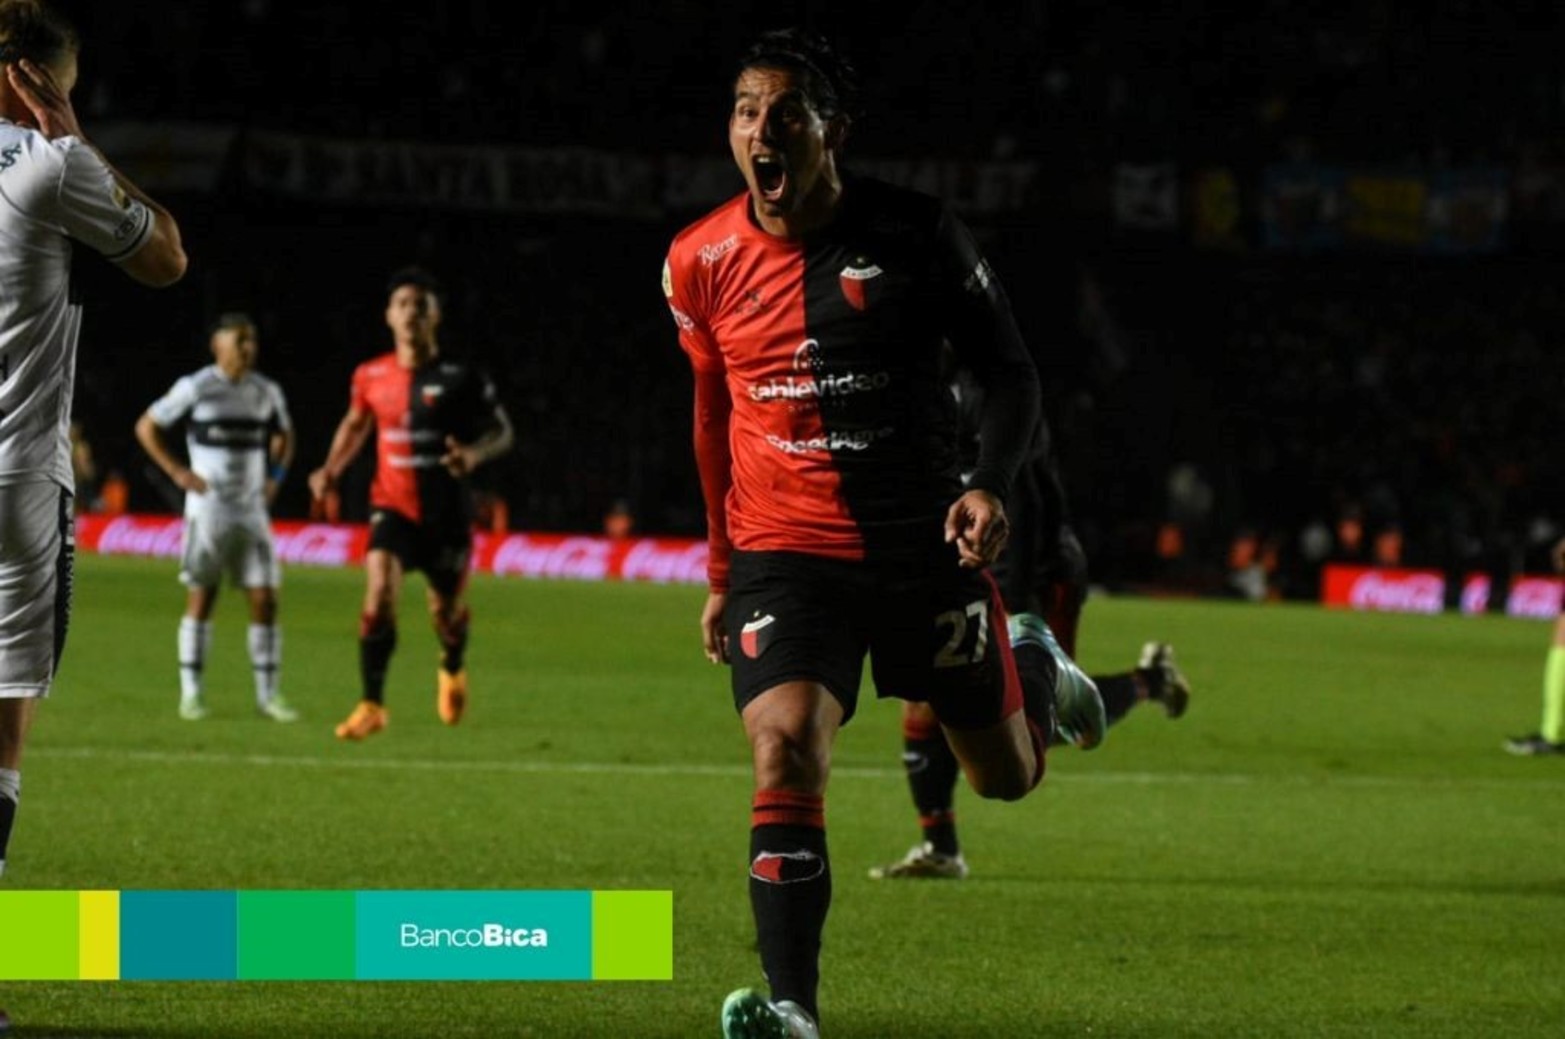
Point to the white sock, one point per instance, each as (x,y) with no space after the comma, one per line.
(266,658)
(194,638)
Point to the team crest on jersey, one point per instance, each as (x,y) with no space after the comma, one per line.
(430,395)
(756,635)
(856,280)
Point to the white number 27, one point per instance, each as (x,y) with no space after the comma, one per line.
(968,641)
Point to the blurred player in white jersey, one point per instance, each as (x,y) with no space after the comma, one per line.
(55,188)
(239,442)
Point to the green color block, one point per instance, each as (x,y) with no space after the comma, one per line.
(39,936)
(633,936)
(296,935)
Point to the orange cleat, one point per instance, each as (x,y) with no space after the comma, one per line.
(452,699)
(367,719)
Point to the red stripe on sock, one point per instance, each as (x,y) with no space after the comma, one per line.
(788,808)
(927,819)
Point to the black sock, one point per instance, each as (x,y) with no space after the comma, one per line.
(7,817)
(1119,693)
(377,640)
(932,769)
(453,641)
(790,891)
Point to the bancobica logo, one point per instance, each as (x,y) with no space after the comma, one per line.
(487,936)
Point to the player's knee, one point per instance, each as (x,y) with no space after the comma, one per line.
(1006,784)
(788,760)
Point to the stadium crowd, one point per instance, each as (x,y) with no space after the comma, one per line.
(1207,402)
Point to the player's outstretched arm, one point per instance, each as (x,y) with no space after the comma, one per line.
(346,443)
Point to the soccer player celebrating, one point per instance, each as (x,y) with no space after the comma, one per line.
(54,188)
(436,420)
(813,307)
(239,442)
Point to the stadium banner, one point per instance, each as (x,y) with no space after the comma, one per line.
(581,557)
(1402,590)
(572,180)
(1307,207)
(275,935)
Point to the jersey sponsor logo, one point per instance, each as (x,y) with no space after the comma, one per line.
(807,356)
(714,251)
(861,440)
(756,635)
(855,281)
(818,386)
(792,867)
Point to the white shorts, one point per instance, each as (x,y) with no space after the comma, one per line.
(37,545)
(237,545)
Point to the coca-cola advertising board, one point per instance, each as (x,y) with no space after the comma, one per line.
(571,556)
(1423,591)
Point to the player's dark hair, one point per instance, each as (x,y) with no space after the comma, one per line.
(230,321)
(36,31)
(419,278)
(830,81)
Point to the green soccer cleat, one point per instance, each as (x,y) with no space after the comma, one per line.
(749,1015)
(192,708)
(922,862)
(1078,706)
(279,710)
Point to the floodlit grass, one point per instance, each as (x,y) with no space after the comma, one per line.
(1331,843)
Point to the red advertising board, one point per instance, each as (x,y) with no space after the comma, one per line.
(1423,591)
(574,556)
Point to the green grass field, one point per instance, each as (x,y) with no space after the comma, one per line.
(1331,842)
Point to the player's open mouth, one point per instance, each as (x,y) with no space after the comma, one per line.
(771,176)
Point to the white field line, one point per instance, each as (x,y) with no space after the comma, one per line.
(1057,773)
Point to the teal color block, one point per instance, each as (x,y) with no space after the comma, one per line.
(178,936)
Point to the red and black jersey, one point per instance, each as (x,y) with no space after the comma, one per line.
(415,409)
(843,434)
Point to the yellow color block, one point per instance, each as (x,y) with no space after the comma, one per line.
(99,948)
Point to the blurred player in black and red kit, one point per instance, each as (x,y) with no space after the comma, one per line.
(1043,571)
(813,308)
(436,421)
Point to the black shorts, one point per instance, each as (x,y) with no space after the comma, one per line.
(441,551)
(934,632)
